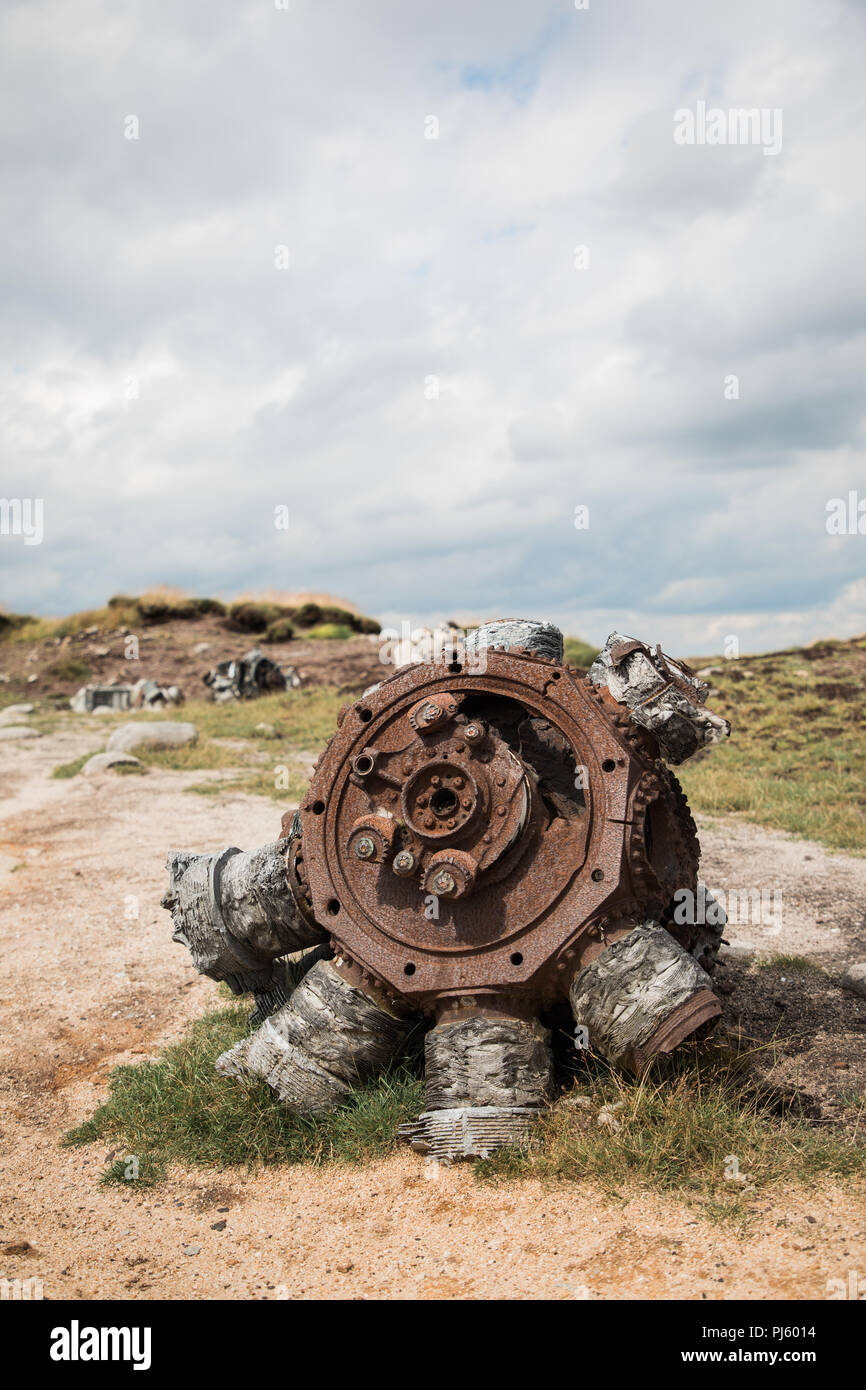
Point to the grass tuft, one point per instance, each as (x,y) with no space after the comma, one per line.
(177,1109)
(700,1122)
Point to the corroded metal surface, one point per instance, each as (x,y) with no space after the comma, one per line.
(477,831)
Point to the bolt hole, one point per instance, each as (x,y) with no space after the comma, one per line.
(608,765)
(516,958)
(318,807)
(333,907)
(456,667)
(364,764)
(365,715)
(444,801)
(597,875)
(557,675)
(408,968)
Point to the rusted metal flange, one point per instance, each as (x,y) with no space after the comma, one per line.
(472,831)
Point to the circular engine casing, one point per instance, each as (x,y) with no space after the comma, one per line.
(485,827)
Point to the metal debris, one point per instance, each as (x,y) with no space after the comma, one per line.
(485,837)
(144,694)
(252,675)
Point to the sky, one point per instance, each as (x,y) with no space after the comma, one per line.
(373,299)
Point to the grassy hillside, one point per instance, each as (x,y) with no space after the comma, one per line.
(797,753)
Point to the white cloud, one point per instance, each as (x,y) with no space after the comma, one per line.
(153,261)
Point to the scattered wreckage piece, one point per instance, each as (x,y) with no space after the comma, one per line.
(251,675)
(662,695)
(144,694)
(486,838)
(327,1039)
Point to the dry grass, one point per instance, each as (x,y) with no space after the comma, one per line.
(796,755)
(700,1123)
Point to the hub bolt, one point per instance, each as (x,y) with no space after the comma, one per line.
(365,847)
(404,862)
(443,882)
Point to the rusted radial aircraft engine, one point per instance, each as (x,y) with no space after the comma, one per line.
(484,839)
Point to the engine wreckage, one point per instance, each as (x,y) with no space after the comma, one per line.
(486,839)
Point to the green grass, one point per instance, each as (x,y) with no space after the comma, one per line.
(330,632)
(797,750)
(177,1109)
(578,653)
(291,787)
(679,1125)
(70,669)
(71,769)
(792,965)
(304,718)
(168,606)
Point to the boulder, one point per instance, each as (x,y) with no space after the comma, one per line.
(10,731)
(855,978)
(165,734)
(13,712)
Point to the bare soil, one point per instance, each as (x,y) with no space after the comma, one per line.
(167,654)
(91,979)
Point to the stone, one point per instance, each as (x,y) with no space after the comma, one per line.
(12,712)
(735,951)
(165,734)
(608,1118)
(14,731)
(101,762)
(854,978)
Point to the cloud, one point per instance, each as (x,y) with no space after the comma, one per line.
(433,383)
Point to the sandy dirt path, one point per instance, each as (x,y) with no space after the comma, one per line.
(87,984)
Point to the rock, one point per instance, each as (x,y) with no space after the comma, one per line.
(735,952)
(266,730)
(855,978)
(192,1249)
(709,671)
(12,712)
(219,1225)
(608,1118)
(31,680)
(101,762)
(10,731)
(165,734)
(102,709)
(576,1102)
(200,648)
